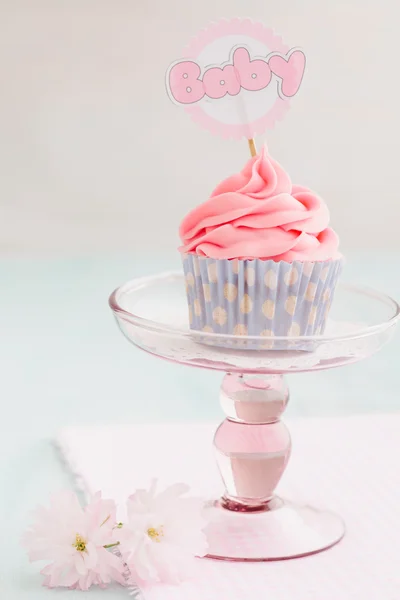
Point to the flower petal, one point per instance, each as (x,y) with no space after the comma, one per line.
(170,497)
(80,564)
(144,565)
(90,556)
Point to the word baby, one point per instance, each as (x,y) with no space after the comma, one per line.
(186,87)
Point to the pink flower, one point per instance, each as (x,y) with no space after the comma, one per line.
(163,535)
(73,539)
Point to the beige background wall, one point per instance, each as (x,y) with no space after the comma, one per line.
(94,157)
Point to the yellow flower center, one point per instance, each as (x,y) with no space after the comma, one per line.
(155,534)
(80,543)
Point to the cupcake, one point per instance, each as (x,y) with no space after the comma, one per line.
(259,257)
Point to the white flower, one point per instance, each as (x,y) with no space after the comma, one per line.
(75,541)
(164,534)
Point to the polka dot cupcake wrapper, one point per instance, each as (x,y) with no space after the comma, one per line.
(261,298)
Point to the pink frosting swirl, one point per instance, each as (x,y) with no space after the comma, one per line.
(258,213)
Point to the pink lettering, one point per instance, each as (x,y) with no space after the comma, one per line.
(186,87)
(184,82)
(254,75)
(219,82)
(290,71)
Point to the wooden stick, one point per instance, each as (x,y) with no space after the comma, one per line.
(252,146)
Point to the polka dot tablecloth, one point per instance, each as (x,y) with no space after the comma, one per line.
(346,464)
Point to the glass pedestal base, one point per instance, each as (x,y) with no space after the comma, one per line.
(252,444)
(282,531)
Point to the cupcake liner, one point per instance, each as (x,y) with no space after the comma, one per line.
(259,298)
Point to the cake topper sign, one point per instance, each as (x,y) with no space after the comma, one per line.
(187,87)
(236,78)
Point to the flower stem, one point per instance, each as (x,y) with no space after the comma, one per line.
(111,545)
(105,520)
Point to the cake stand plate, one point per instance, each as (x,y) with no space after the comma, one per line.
(252,445)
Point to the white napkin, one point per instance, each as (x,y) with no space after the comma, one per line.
(350,465)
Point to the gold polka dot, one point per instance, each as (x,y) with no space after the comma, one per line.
(246,304)
(190,315)
(250,276)
(326,295)
(207,292)
(235,266)
(208,329)
(196,267)
(290,305)
(312,316)
(220,315)
(270,279)
(240,329)
(190,279)
(230,292)
(268,344)
(311,291)
(268,309)
(212,272)
(294,330)
(327,309)
(267,333)
(291,276)
(324,274)
(197,307)
(308,269)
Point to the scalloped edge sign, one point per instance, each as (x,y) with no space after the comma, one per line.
(236,78)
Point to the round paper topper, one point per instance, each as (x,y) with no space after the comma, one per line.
(236,78)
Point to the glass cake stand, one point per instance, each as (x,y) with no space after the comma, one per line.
(249,522)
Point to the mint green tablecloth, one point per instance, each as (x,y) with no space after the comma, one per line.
(63,361)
